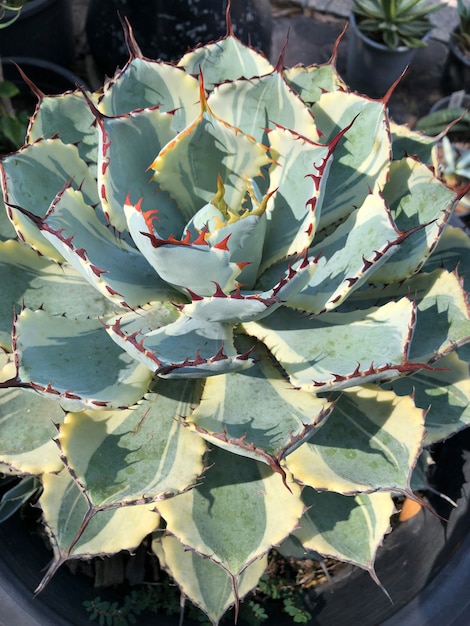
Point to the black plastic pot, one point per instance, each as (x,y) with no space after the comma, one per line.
(424,564)
(166,29)
(372,67)
(44,30)
(456,72)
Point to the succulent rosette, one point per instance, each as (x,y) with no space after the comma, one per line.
(232,315)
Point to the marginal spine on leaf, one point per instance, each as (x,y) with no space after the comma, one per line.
(406,367)
(272,461)
(132,46)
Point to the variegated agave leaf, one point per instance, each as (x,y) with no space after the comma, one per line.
(232,308)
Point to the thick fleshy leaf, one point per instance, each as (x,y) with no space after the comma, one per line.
(349,255)
(76,530)
(120,177)
(367,142)
(419,286)
(27,444)
(233,308)
(7,366)
(444,393)
(239,233)
(442,321)
(35,281)
(203,518)
(384,435)
(15,497)
(147,318)
(68,116)
(292,548)
(208,586)
(311,82)
(432,202)
(144,83)
(295,206)
(185,348)
(345,348)
(278,419)
(347,528)
(443,316)
(406,142)
(27,423)
(208,149)
(452,252)
(34,176)
(76,362)
(7,230)
(197,269)
(135,456)
(117,270)
(145,237)
(252,305)
(216,250)
(226,59)
(257,104)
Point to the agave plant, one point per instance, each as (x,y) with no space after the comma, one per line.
(461,34)
(395,23)
(232,316)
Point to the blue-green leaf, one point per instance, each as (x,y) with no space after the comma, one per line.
(76,362)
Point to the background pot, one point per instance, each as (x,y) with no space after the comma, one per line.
(166,29)
(424,564)
(44,30)
(372,67)
(456,72)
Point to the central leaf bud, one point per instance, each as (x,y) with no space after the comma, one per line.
(240,231)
